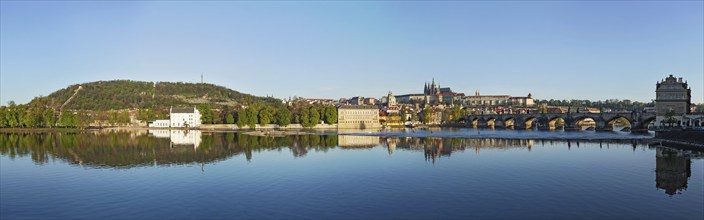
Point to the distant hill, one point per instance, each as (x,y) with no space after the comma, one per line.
(124,94)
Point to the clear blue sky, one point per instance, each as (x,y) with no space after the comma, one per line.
(560,50)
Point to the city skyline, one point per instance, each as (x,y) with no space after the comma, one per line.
(554,50)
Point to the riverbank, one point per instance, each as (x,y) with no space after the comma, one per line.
(276,133)
(45,130)
(690,139)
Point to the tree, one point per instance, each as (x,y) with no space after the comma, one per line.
(283,117)
(670,117)
(12,115)
(49,118)
(242,118)
(304,118)
(229,119)
(427,114)
(314,116)
(32,118)
(252,118)
(330,114)
(83,119)
(123,117)
(206,114)
(404,114)
(146,115)
(67,119)
(112,117)
(3,120)
(266,115)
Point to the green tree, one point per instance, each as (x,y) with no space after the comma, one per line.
(314,116)
(252,117)
(146,115)
(206,114)
(112,117)
(265,115)
(83,119)
(404,114)
(427,115)
(3,120)
(242,119)
(12,116)
(67,119)
(305,118)
(49,118)
(330,114)
(123,117)
(32,118)
(229,119)
(283,116)
(670,117)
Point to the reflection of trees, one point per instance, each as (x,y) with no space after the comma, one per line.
(672,170)
(125,149)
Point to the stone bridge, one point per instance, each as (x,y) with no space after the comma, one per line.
(544,121)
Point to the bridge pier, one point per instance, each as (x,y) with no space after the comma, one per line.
(602,125)
(498,123)
(481,123)
(639,131)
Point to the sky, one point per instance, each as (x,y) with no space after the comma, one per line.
(555,50)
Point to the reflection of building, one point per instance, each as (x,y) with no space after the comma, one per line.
(357,141)
(672,170)
(190,138)
(358,116)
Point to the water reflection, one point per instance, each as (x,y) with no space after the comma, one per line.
(180,138)
(120,149)
(672,170)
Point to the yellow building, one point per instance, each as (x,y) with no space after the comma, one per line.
(357,116)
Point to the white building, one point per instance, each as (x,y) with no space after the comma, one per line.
(164,123)
(179,118)
(184,117)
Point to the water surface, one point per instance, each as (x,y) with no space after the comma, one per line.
(178,174)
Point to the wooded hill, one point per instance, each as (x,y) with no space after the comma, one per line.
(127,94)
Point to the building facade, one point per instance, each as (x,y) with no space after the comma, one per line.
(184,117)
(165,123)
(673,99)
(358,116)
(498,100)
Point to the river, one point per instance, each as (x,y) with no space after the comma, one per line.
(413,174)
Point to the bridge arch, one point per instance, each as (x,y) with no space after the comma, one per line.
(585,122)
(619,119)
(490,122)
(556,122)
(643,123)
(474,121)
(530,122)
(509,122)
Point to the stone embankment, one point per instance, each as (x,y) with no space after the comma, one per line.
(693,139)
(268,126)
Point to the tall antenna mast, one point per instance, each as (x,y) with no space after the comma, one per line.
(201,78)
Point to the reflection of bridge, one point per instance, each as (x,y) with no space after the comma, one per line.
(604,121)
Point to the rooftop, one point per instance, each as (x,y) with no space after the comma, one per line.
(183,110)
(358,107)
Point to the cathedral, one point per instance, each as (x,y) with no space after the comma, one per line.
(434,89)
